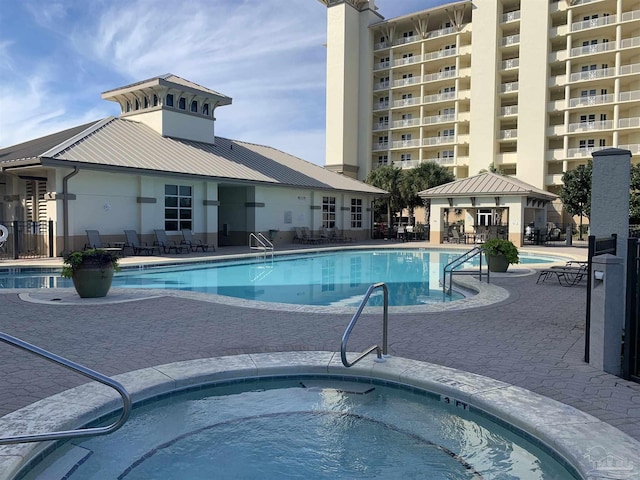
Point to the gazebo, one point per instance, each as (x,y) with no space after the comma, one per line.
(485,206)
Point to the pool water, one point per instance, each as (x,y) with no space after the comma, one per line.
(303,428)
(324,278)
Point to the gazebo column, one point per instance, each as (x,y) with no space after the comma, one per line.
(436,226)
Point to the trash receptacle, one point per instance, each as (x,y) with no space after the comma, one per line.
(569,240)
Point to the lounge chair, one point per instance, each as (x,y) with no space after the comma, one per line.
(194,244)
(457,237)
(166,244)
(298,236)
(568,275)
(133,241)
(94,241)
(339,236)
(324,235)
(308,236)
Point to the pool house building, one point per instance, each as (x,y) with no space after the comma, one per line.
(159,165)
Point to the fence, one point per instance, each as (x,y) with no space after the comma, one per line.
(28,240)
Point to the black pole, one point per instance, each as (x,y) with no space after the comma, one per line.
(50,238)
(587,320)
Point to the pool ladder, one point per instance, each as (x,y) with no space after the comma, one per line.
(257,241)
(380,352)
(87,372)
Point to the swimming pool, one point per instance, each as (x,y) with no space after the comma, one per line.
(335,278)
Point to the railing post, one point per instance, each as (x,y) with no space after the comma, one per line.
(50,230)
(16,242)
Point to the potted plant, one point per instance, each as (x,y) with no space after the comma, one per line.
(500,253)
(91,271)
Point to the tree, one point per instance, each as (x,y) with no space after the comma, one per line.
(576,191)
(387,178)
(634,195)
(424,176)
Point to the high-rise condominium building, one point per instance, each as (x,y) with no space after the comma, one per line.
(532,87)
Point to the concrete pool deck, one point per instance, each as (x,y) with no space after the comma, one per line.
(533,339)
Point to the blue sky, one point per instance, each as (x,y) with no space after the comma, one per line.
(57,56)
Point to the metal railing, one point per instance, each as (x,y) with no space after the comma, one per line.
(380,352)
(257,241)
(87,372)
(450,268)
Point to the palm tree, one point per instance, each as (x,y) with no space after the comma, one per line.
(426,175)
(388,178)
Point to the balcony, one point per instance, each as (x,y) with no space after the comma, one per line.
(583,152)
(404,40)
(633,148)
(593,23)
(630,16)
(590,126)
(380,106)
(381,65)
(380,146)
(381,45)
(404,164)
(509,87)
(507,157)
(380,126)
(591,100)
(440,75)
(631,96)
(591,49)
(510,134)
(406,60)
(630,69)
(440,54)
(405,143)
(444,140)
(509,110)
(440,97)
(380,86)
(510,40)
(406,102)
(403,82)
(632,122)
(630,42)
(440,33)
(511,16)
(592,74)
(407,122)
(439,119)
(511,63)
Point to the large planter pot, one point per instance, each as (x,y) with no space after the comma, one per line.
(497,263)
(92,281)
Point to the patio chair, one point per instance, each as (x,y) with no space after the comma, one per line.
(298,236)
(166,244)
(137,246)
(457,237)
(308,236)
(324,235)
(194,244)
(339,236)
(94,241)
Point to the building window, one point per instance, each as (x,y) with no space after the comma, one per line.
(328,212)
(137,105)
(205,109)
(182,104)
(484,217)
(178,211)
(194,106)
(155,100)
(146,102)
(128,107)
(405,157)
(169,100)
(383,160)
(356,213)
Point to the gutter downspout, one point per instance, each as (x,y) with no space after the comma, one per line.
(65,208)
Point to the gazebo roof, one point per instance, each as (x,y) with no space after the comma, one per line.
(487,184)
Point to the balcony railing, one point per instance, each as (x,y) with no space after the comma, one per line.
(632,122)
(593,22)
(592,74)
(381,45)
(403,40)
(630,69)
(407,122)
(404,164)
(633,147)
(381,146)
(380,85)
(440,97)
(511,63)
(633,15)
(589,49)
(511,16)
(440,54)
(447,139)
(439,119)
(406,60)
(510,40)
(381,126)
(405,143)
(508,134)
(583,151)
(630,42)
(440,75)
(406,81)
(406,101)
(589,126)
(509,110)
(629,96)
(509,87)
(582,2)
(591,100)
(441,32)
(381,65)
(381,106)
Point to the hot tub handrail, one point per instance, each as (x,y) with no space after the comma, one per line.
(87,372)
(380,352)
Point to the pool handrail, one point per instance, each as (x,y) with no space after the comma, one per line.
(261,243)
(458,262)
(87,372)
(380,352)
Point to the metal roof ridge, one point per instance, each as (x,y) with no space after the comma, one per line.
(76,138)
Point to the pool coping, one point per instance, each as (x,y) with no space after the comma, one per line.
(593,448)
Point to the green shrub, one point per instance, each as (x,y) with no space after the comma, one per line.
(92,257)
(497,246)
